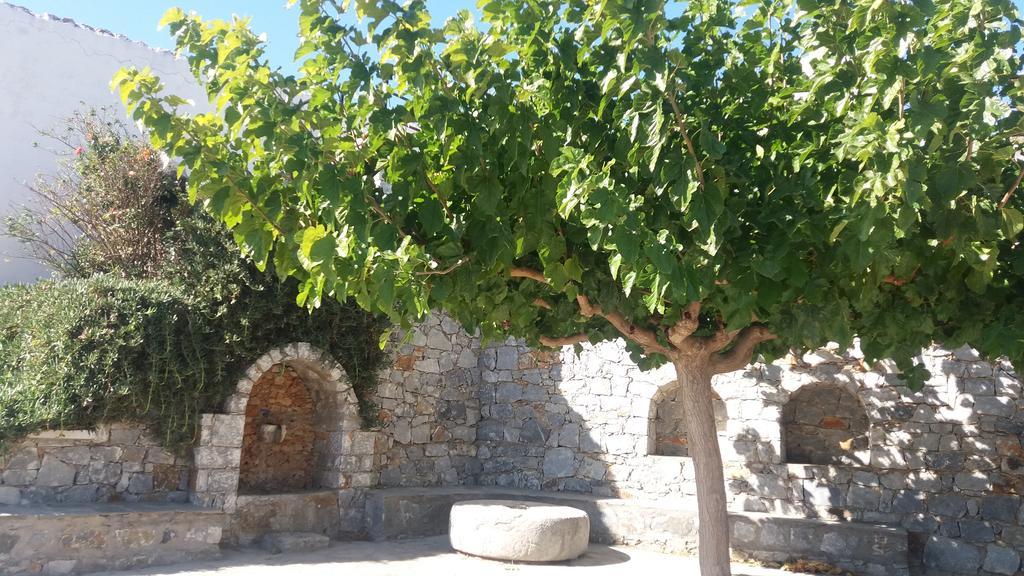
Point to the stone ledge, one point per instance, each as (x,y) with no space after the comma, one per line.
(669,526)
(102,509)
(116,536)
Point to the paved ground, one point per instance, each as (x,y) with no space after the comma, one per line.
(427,557)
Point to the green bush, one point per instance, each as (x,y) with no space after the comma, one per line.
(77,352)
(154,332)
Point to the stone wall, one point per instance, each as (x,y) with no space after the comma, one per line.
(946,463)
(119,462)
(429,407)
(77,539)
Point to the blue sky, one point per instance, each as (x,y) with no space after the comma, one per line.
(137,19)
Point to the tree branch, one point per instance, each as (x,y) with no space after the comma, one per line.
(517,272)
(564,341)
(1009,193)
(460,262)
(686,137)
(686,325)
(739,355)
(647,339)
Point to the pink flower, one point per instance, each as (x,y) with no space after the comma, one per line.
(79,150)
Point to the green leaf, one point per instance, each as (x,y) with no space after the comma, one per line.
(171,16)
(1013,222)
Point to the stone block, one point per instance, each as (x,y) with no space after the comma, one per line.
(532,433)
(9,496)
(216,457)
(559,463)
(947,554)
(1001,560)
(908,502)
(82,494)
(20,477)
(22,459)
(1002,508)
(54,473)
(994,406)
(975,481)
(976,531)
(862,497)
(74,454)
(100,472)
(950,504)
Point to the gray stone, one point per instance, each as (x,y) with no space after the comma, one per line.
(9,496)
(908,502)
(518,531)
(863,497)
(22,459)
(1013,535)
(74,454)
(53,472)
(140,483)
(947,505)
(1001,508)
(569,436)
(284,542)
(507,358)
(976,531)
(559,463)
(79,494)
(490,431)
(950,555)
(532,433)
(20,477)
(975,481)
(104,472)
(944,461)
(1001,560)
(508,392)
(993,405)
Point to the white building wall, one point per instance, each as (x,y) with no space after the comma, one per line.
(49,69)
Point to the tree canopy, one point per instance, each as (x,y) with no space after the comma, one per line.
(823,169)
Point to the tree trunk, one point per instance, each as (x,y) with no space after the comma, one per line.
(702,437)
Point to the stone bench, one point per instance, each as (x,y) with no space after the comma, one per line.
(67,539)
(519,530)
(869,549)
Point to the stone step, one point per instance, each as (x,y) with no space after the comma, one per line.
(278,542)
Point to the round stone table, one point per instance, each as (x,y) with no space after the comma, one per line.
(518,530)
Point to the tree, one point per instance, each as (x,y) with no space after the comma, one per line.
(705,179)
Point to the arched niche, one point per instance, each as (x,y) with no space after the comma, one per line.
(667,432)
(825,424)
(316,381)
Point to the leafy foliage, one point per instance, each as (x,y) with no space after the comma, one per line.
(109,208)
(155,333)
(822,169)
(77,352)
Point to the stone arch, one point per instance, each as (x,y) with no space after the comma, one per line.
(825,423)
(335,422)
(667,434)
